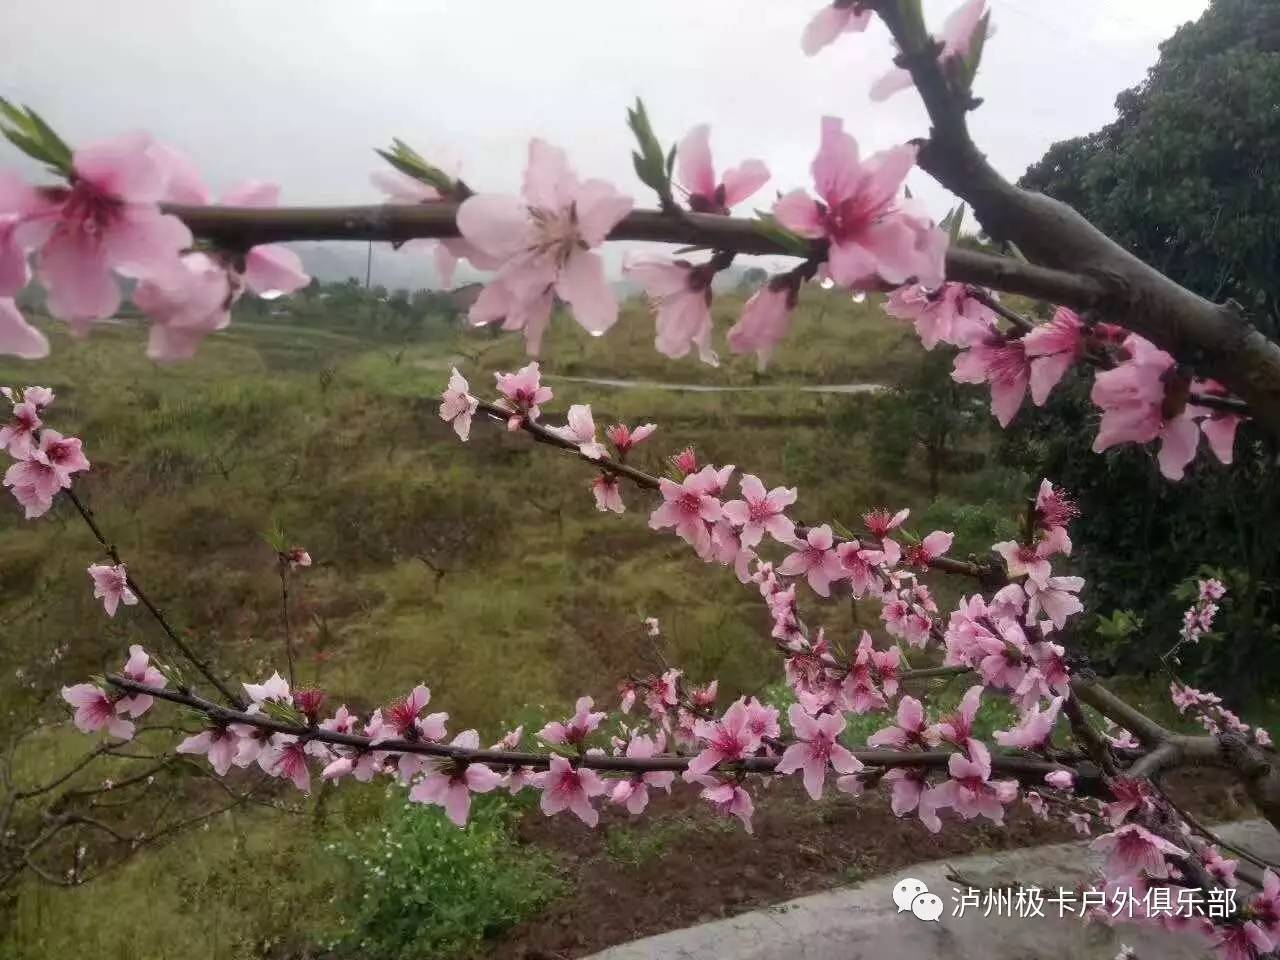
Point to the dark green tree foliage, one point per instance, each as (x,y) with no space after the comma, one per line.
(1188,175)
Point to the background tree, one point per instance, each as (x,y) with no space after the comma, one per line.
(1188,175)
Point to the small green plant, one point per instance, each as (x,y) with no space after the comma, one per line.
(420,887)
(636,846)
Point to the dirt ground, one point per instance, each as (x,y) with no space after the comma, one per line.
(684,865)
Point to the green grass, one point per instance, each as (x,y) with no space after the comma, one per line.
(635,845)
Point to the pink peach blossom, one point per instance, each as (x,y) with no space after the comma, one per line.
(818,748)
(1056,599)
(576,729)
(1133,399)
(18,436)
(18,338)
(765,320)
(830,22)
(1002,363)
(545,241)
(909,728)
(1022,560)
(624,438)
(971,792)
(1034,729)
(138,668)
(106,221)
(1133,850)
(457,406)
(957,728)
(680,293)
(524,393)
(880,523)
(450,784)
(929,549)
(727,740)
(958,32)
(565,787)
(697,175)
(18,202)
(186,304)
(689,508)
(1245,941)
(760,511)
(860,565)
(633,793)
(731,800)
(64,454)
(816,558)
(111,586)
(911,792)
(608,493)
(1218,426)
(1061,779)
(727,549)
(872,232)
(285,756)
(217,743)
(96,711)
(274,689)
(1053,348)
(581,430)
(947,315)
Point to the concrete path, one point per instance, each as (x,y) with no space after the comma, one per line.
(863,922)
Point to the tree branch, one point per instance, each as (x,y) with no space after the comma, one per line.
(221,715)
(1216,339)
(243,227)
(205,670)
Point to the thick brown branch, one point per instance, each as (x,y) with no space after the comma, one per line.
(242,227)
(1215,339)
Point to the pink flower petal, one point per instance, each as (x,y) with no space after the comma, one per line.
(17,337)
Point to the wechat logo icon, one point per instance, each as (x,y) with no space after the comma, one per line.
(910,894)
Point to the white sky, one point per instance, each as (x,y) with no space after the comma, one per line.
(299,91)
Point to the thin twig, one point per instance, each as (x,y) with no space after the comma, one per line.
(205,670)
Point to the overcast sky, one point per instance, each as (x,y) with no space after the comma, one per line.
(299,91)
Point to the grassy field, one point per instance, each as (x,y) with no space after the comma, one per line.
(481,569)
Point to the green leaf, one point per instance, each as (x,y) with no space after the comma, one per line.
(28,131)
(956,217)
(50,139)
(412,164)
(842,531)
(766,225)
(652,164)
(671,160)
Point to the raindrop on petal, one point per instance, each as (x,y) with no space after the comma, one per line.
(859,296)
(827,283)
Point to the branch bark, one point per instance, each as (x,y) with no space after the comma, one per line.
(1216,339)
